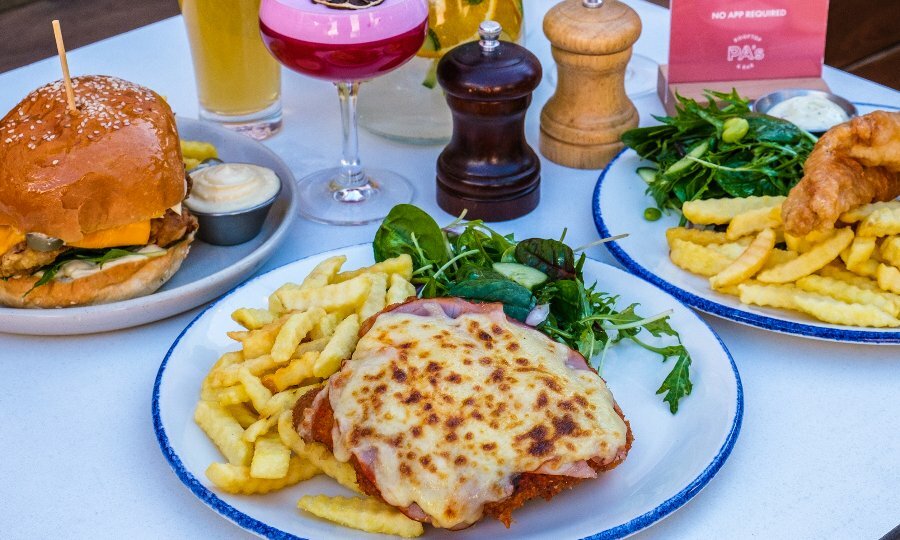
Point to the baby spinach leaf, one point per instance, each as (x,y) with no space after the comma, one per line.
(473,271)
(551,257)
(408,229)
(517,300)
(769,128)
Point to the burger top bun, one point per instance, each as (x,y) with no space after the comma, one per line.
(115,161)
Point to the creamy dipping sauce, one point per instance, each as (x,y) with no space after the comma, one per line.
(230,187)
(812,113)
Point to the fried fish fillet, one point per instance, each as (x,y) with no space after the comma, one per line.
(854,163)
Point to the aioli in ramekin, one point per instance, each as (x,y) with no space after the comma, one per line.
(810,112)
(231,187)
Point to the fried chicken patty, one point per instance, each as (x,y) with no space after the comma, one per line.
(22,260)
(171,227)
(166,230)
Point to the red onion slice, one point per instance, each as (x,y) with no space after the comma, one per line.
(538,315)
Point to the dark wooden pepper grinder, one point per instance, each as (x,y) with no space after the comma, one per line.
(488,168)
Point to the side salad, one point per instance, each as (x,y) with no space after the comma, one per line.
(712,151)
(539,281)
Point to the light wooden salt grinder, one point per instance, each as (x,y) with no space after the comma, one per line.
(591,43)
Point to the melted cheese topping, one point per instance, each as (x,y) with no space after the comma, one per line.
(446,412)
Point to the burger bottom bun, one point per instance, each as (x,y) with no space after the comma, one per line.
(113,284)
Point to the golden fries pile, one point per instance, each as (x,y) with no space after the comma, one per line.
(293,346)
(194,152)
(849,275)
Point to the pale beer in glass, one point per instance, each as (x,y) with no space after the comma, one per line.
(238,81)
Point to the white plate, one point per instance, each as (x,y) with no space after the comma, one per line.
(208,270)
(673,457)
(619,201)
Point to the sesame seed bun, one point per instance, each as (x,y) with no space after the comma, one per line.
(114,162)
(120,282)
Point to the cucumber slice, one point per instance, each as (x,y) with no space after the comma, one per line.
(430,80)
(647,174)
(432,43)
(525,276)
(682,164)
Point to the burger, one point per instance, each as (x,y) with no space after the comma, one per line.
(450,411)
(90,200)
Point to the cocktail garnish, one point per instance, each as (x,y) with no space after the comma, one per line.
(348,4)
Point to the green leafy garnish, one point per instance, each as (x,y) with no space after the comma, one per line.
(517,300)
(407,229)
(551,257)
(710,151)
(678,382)
(458,260)
(95,256)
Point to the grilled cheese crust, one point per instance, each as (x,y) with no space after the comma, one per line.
(445,403)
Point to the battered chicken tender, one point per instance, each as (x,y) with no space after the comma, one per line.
(854,163)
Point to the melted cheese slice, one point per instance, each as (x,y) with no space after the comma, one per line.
(9,236)
(446,412)
(133,234)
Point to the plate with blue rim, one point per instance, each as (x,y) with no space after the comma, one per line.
(619,201)
(672,459)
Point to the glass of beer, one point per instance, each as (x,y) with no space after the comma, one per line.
(238,81)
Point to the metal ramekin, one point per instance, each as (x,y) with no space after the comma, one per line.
(235,227)
(765,103)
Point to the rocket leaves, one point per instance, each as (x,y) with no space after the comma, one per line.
(698,157)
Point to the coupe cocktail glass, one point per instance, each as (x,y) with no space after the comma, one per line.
(346,46)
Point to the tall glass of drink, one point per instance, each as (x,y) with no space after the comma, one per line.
(345,42)
(238,81)
(408,105)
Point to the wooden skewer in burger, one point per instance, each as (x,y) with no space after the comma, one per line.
(91,185)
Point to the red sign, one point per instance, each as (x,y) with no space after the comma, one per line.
(723,40)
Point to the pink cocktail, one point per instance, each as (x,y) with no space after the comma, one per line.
(346,46)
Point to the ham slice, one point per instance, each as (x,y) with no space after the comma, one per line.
(577,469)
(454,308)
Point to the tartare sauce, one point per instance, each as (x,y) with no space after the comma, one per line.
(230,187)
(812,113)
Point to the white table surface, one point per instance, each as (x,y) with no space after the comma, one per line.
(818,455)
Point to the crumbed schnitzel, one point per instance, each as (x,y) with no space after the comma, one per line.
(854,163)
(450,411)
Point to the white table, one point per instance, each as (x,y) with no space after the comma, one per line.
(818,455)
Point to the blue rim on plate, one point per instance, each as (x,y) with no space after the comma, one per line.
(877,105)
(720,310)
(253,525)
